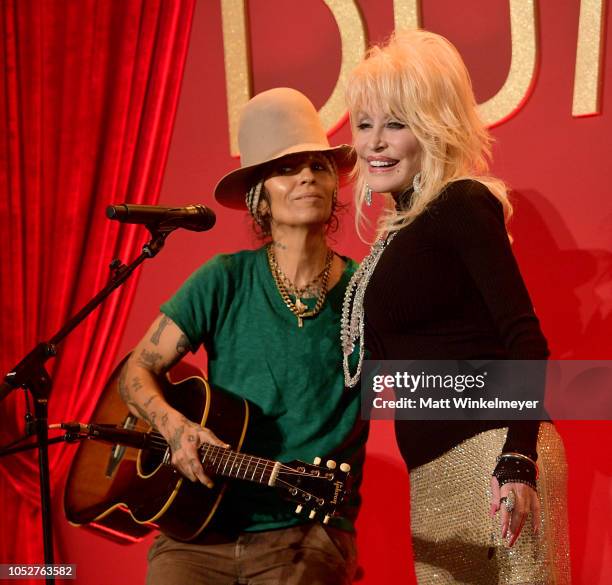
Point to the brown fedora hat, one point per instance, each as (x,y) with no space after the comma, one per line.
(273,124)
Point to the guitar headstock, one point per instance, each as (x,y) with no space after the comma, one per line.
(317,489)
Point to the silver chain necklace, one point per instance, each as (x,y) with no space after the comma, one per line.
(352,321)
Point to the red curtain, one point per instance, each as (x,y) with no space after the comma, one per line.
(88,96)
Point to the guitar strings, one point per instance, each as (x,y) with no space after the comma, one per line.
(221,456)
(158,443)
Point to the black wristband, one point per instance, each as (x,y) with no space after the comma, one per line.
(514,470)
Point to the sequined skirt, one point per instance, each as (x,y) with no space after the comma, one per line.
(453,535)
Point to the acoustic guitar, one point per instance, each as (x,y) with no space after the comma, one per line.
(127,492)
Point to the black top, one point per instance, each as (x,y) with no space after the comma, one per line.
(448,287)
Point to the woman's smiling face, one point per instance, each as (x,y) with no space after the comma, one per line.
(388,151)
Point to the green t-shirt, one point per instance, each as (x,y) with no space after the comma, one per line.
(292,376)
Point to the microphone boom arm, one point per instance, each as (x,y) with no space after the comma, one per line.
(30,374)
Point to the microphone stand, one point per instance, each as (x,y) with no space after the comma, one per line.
(30,374)
(67,437)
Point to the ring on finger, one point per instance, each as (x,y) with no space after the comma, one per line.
(509,501)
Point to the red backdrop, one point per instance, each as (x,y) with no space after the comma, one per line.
(88,96)
(557,164)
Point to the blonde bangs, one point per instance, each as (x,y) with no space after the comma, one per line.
(374,89)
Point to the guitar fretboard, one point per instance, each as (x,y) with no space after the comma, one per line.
(235,465)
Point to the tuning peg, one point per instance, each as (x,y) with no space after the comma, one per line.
(317,461)
(345,467)
(299,509)
(326,519)
(331,464)
(312,514)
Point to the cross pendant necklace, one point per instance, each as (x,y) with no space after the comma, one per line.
(301,308)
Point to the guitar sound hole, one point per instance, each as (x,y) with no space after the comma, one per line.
(150,460)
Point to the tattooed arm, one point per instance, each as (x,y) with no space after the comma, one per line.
(163,346)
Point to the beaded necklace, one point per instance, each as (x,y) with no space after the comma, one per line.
(352,320)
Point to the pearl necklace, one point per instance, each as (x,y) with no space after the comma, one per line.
(352,321)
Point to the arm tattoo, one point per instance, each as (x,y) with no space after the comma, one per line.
(175,441)
(123,389)
(149,400)
(279,245)
(164,322)
(136,383)
(144,415)
(182,345)
(149,359)
(164,420)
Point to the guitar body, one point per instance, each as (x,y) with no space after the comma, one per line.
(127,492)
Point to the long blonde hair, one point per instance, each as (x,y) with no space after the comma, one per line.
(419,78)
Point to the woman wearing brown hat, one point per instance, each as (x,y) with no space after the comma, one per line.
(269,320)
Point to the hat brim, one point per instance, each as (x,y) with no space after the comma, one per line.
(232,188)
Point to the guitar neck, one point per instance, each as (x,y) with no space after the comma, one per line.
(234,465)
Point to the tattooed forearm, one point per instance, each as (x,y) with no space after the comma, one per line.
(164,420)
(183,345)
(163,323)
(123,389)
(279,245)
(149,400)
(142,413)
(136,383)
(149,359)
(175,441)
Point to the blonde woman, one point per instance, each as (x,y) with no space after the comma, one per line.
(442,283)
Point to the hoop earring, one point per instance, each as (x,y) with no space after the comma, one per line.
(416,183)
(368,195)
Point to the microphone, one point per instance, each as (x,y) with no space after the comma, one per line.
(196,218)
(107,433)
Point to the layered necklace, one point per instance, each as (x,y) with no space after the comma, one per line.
(352,321)
(285,287)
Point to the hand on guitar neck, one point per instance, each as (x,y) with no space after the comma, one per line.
(140,387)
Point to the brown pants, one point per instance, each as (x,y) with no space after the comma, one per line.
(309,554)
